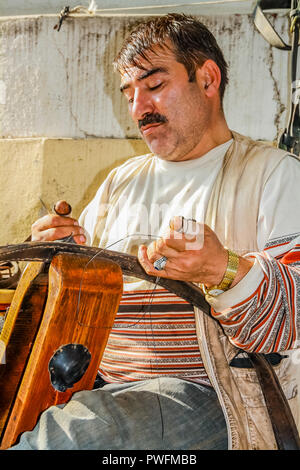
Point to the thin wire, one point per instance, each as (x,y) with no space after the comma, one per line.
(99,253)
(145,311)
(79,9)
(151,368)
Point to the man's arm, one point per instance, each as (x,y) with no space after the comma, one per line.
(262,313)
(261,310)
(265,316)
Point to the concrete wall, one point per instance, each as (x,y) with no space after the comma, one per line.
(52,169)
(61,84)
(128,7)
(64,124)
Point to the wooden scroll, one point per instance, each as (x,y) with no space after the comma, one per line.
(54,337)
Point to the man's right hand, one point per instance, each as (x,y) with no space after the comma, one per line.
(55,227)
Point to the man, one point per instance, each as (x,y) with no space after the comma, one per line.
(207,206)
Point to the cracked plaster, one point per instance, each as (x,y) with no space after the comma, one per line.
(62,84)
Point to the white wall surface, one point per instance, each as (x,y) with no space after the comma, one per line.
(61,84)
(38,7)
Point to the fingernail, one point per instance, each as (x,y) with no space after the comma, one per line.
(76,223)
(176,223)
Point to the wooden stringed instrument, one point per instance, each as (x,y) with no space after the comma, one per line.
(285,431)
(54,336)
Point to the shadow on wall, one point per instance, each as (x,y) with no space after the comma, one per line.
(111,88)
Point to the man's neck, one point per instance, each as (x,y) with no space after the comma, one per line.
(218,134)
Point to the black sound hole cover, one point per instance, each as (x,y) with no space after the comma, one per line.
(68,365)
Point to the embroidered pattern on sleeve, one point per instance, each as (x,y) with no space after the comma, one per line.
(269,319)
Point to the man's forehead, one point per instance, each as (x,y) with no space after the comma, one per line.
(139,73)
(159,57)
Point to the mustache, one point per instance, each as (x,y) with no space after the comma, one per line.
(155,118)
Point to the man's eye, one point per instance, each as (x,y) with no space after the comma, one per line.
(155,87)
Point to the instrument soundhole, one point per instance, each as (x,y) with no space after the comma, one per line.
(68,365)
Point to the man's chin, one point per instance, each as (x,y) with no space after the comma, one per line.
(157,147)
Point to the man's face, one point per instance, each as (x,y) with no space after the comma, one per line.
(172,113)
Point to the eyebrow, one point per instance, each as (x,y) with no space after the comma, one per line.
(146,74)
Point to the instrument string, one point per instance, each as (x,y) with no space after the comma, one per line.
(155,282)
(145,309)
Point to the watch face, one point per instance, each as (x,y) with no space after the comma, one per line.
(215,292)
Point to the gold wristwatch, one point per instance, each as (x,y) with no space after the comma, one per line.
(230,273)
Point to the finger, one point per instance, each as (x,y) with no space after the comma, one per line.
(173,240)
(167,272)
(189,227)
(49,221)
(179,241)
(143,258)
(160,248)
(80,239)
(184,225)
(57,233)
(146,263)
(170,271)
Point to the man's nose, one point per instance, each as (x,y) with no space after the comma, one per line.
(141,106)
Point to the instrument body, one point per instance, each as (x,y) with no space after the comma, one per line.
(284,427)
(62,315)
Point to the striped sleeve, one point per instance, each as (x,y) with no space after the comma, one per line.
(265,315)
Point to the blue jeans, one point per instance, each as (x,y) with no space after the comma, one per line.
(156,414)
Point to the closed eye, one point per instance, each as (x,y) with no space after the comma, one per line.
(155,87)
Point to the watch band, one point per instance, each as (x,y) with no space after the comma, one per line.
(230,273)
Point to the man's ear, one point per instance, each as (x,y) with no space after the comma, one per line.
(209,78)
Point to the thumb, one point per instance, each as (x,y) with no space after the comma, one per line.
(189,227)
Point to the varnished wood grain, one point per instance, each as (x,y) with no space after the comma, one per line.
(83,298)
(26,308)
(278,413)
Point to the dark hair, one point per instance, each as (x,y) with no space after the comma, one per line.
(192,44)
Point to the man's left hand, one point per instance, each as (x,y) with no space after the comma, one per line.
(195,256)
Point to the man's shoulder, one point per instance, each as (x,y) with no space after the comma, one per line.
(136,161)
(133,165)
(261,148)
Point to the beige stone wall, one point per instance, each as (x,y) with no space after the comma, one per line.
(62,84)
(53,169)
(63,121)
